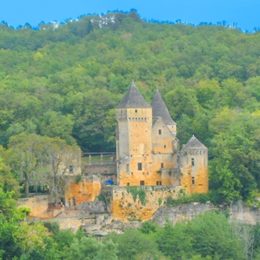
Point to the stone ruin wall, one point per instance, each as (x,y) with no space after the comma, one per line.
(85,190)
(126,207)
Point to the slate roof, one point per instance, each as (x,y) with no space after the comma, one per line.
(195,143)
(160,109)
(133,99)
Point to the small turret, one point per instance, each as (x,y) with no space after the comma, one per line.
(194,165)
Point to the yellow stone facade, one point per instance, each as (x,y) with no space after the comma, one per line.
(82,191)
(194,168)
(127,208)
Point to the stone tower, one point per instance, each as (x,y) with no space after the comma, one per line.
(164,142)
(134,143)
(194,166)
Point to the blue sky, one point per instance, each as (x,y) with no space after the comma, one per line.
(245,13)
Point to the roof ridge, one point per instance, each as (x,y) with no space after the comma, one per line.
(133,98)
(160,109)
(194,142)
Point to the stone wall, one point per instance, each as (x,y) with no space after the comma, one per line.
(91,169)
(38,206)
(194,168)
(84,190)
(127,205)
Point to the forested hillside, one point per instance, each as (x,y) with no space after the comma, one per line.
(65,82)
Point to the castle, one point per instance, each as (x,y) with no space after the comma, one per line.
(149,167)
(147,152)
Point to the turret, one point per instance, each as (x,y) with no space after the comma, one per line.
(194,166)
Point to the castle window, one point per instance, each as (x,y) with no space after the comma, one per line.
(158,183)
(164,146)
(192,161)
(128,184)
(139,166)
(193,180)
(71,169)
(136,111)
(127,167)
(162,165)
(160,131)
(142,183)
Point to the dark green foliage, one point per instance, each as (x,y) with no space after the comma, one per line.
(256,243)
(137,192)
(213,235)
(148,227)
(53,227)
(174,241)
(134,244)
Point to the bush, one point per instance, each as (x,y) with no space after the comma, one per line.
(137,192)
(201,198)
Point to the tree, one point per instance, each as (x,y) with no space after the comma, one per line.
(135,244)
(234,174)
(25,152)
(212,235)
(8,182)
(9,219)
(169,241)
(57,159)
(43,161)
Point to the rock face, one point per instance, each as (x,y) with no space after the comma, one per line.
(139,203)
(181,212)
(237,212)
(38,206)
(90,208)
(85,190)
(128,211)
(244,214)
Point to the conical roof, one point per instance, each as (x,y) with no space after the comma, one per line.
(160,109)
(133,99)
(195,143)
